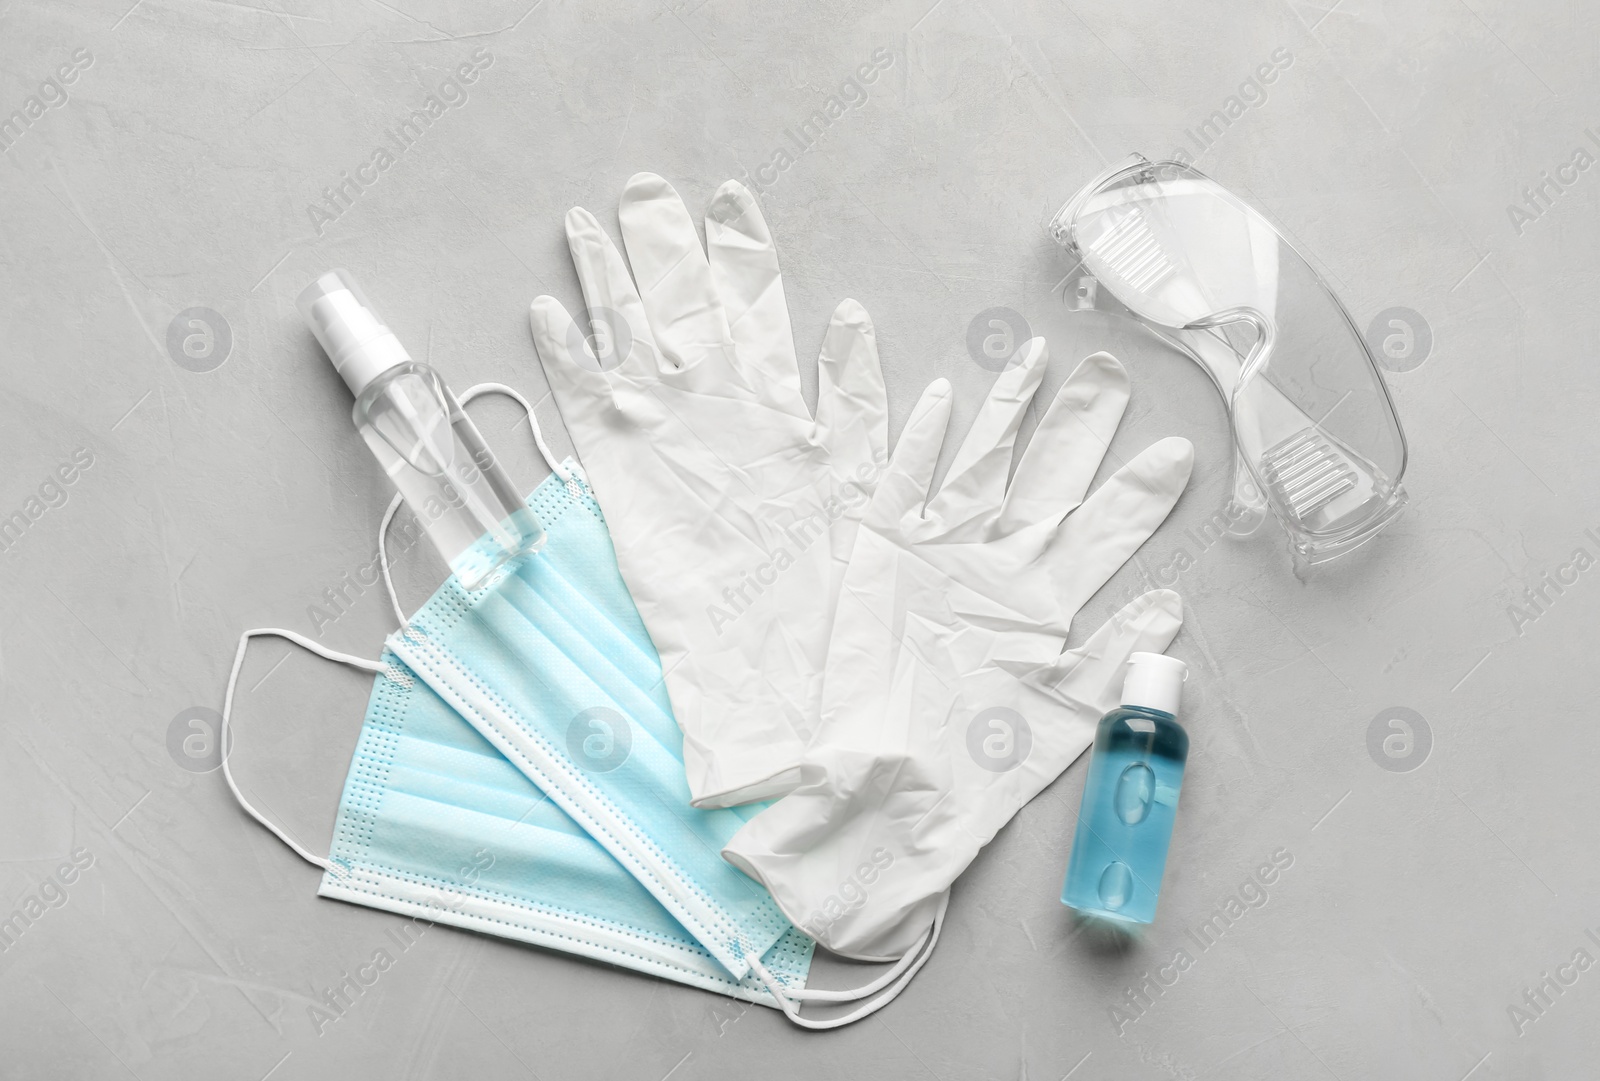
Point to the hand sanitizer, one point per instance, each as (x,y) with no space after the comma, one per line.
(1131,797)
(421,436)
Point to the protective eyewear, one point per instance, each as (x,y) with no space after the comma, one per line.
(1318,442)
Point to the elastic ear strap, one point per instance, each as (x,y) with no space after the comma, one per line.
(895,979)
(533,422)
(227,712)
(394,504)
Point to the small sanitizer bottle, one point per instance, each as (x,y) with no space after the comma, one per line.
(1131,797)
(421,436)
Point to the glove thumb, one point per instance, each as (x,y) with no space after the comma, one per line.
(1083,684)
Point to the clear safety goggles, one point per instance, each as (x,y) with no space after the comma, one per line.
(1318,442)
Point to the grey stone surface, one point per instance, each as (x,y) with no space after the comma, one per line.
(228,490)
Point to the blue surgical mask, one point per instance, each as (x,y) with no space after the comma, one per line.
(554,667)
(520,773)
(436,823)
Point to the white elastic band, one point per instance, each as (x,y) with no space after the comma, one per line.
(394,504)
(899,976)
(350,658)
(227,711)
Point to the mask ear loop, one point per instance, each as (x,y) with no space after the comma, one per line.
(227,711)
(895,979)
(351,659)
(394,504)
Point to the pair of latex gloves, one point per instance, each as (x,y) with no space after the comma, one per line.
(887,659)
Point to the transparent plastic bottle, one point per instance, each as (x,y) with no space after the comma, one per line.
(1130,799)
(422,437)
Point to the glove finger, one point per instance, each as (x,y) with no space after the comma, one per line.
(852,405)
(746,278)
(1087,682)
(578,388)
(674,279)
(905,484)
(618,337)
(1109,527)
(1067,447)
(1048,712)
(976,481)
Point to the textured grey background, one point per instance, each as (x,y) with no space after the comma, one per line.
(1420,905)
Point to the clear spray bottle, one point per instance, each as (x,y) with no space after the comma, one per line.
(1131,796)
(421,436)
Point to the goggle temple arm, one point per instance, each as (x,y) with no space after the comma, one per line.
(1081,292)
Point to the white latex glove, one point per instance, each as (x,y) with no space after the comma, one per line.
(733,511)
(949,702)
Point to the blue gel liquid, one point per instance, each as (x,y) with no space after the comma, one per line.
(1125,822)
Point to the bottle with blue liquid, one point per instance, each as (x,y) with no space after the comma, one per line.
(1131,797)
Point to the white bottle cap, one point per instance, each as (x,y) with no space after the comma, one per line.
(360,346)
(1155,681)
